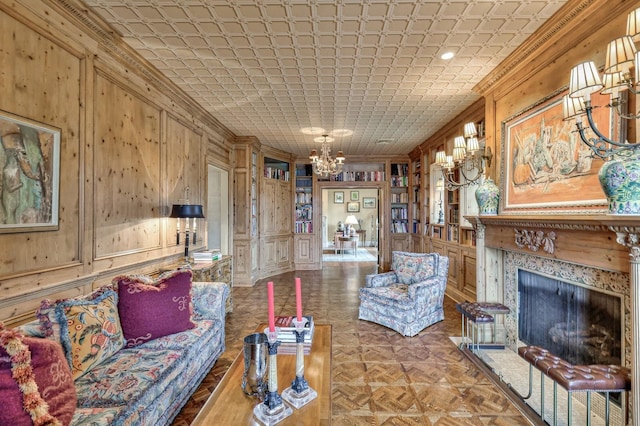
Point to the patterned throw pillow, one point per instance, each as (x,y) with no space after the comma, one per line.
(148,311)
(90,330)
(412,268)
(39,365)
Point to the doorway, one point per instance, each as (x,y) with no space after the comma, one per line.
(341,206)
(218,209)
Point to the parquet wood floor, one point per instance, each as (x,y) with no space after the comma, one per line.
(379,377)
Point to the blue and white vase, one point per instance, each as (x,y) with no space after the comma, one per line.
(620,181)
(487,196)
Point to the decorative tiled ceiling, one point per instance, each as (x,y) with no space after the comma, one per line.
(269,68)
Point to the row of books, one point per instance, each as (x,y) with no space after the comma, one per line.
(304,227)
(372,176)
(276,173)
(399,228)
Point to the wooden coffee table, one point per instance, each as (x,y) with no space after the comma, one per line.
(228,405)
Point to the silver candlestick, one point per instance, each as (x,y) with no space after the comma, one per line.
(272,410)
(299,393)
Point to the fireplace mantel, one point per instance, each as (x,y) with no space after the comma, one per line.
(598,241)
(608,242)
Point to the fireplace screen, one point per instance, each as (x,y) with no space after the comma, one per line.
(580,325)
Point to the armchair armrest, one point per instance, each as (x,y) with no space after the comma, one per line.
(384,279)
(208,300)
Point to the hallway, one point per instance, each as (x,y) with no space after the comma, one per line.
(379,376)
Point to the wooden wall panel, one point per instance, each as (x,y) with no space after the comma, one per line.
(127,189)
(130,142)
(184,144)
(41,81)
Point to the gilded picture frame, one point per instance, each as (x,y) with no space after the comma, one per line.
(546,168)
(30,178)
(353,207)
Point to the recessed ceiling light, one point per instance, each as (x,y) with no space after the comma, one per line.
(447,55)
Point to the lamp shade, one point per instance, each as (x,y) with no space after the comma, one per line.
(633,24)
(351,220)
(620,55)
(572,107)
(186,211)
(584,80)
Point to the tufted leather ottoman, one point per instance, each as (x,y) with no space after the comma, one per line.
(575,378)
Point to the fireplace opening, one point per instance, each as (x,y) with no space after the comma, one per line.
(578,324)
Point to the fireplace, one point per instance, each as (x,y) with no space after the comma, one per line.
(566,325)
(579,324)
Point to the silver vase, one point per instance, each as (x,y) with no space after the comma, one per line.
(255,365)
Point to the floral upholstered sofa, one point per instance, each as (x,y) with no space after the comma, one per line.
(408,298)
(136,350)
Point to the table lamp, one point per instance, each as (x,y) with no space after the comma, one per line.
(186,211)
(350,221)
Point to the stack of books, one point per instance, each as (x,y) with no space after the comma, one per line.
(206,256)
(287,336)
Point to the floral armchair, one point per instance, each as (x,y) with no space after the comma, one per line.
(409,298)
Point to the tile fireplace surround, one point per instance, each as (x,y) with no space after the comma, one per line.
(601,252)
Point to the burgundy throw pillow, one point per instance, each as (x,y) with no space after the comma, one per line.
(148,311)
(36,359)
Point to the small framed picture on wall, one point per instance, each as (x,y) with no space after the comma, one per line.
(338,197)
(353,207)
(369,202)
(355,196)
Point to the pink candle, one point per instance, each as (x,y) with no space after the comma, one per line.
(272,320)
(298,300)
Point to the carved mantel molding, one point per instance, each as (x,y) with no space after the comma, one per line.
(608,239)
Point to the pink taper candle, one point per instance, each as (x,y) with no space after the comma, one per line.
(298,300)
(272,320)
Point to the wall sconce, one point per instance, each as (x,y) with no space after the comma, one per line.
(468,158)
(618,176)
(186,211)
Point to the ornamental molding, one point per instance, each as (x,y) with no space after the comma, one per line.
(534,240)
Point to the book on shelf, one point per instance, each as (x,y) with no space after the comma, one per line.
(286,329)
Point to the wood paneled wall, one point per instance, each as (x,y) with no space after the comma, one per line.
(131,142)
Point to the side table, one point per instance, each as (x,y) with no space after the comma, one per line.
(216,271)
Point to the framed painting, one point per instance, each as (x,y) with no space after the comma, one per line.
(355,195)
(338,197)
(546,167)
(353,207)
(30,179)
(368,202)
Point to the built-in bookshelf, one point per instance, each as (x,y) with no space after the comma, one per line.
(416,182)
(276,169)
(304,199)
(453,215)
(399,198)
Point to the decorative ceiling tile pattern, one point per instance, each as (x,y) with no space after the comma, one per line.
(269,68)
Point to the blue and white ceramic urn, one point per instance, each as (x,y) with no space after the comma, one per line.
(620,181)
(487,196)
